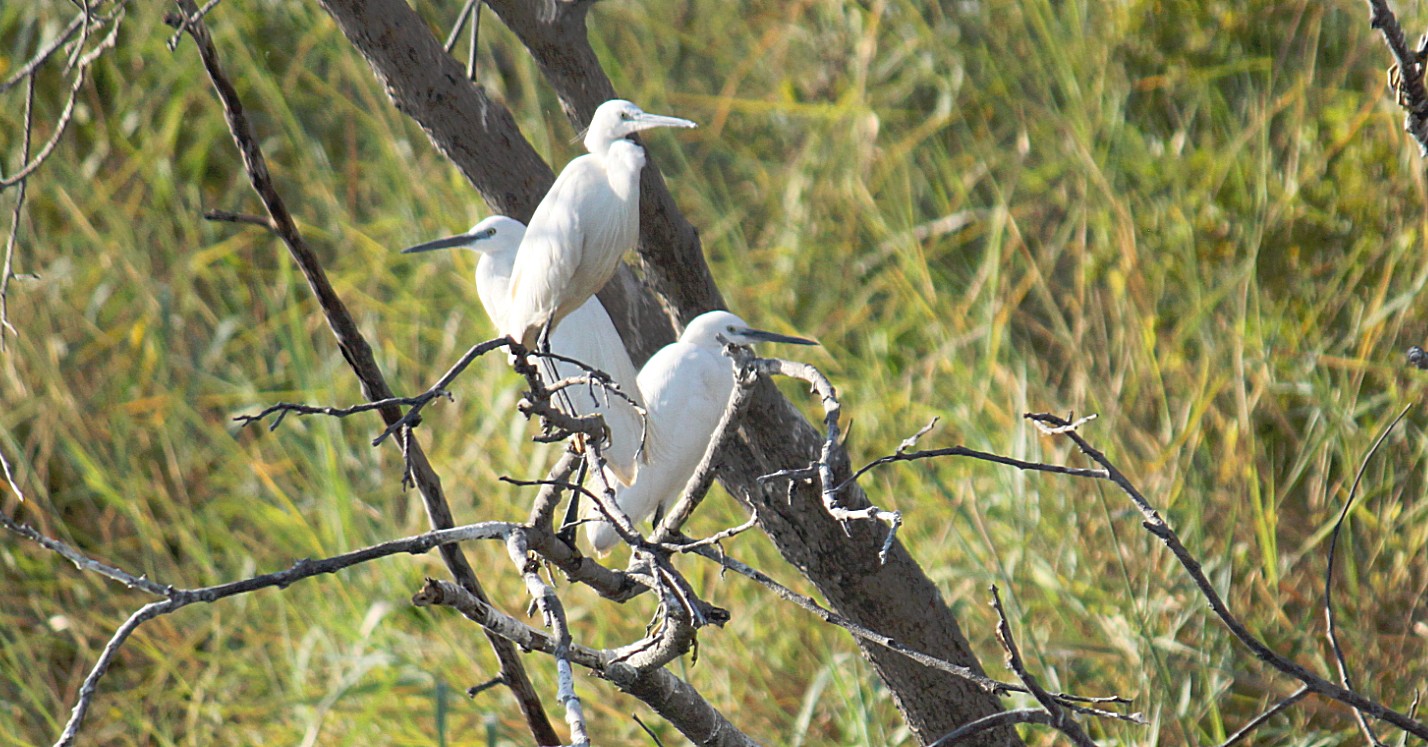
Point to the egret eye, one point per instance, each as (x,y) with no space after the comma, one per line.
(627,116)
(729,329)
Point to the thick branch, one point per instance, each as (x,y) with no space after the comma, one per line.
(671,697)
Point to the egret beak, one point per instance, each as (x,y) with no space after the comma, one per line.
(646,121)
(762,336)
(465,239)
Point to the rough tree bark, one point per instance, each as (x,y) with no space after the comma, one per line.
(480,137)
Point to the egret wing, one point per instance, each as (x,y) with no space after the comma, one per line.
(546,273)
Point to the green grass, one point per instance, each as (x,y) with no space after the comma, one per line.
(1199,220)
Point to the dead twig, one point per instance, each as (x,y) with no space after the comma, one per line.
(553,612)
(985,683)
(1330,630)
(1157,526)
(1060,719)
(1257,721)
(175,598)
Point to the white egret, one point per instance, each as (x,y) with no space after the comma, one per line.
(686,386)
(587,335)
(583,225)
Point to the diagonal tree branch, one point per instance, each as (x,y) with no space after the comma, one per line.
(1157,526)
(1330,629)
(674,699)
(358,354)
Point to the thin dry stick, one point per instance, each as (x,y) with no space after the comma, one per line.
(187,20)
(461,19)
(68,552)
(703,477)
(410,419)
(81,68)
(1060,719)
(284,409)
(1158,527)
(475,37)
(982,681)
(8,271)
(993,721)
(10,478)
(905,453)
(176,598)
(228,216)
(1329,628)
(358,354)
(1259,720)
(28,69)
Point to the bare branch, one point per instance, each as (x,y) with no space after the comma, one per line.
(176,599)
(226,216)
(862,633)
(962,451)
(553,612)
(831,410)
(461,19)
(106,657)
(1259,720)
(1060,720)
(983,682)
(10,478)
(993,721)
(717,537)
(68,552)
(182,24)
(412,417)
(1329,627)
(28,70)
(8,271)
(668,695)
(283,409)
(1158,527)
(703,477)
(81,68)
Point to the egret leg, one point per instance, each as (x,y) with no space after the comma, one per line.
(475,35)
(571,521)
(553,375)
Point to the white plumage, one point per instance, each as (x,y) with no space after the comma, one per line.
(583,226)
(686,387)
(587,335)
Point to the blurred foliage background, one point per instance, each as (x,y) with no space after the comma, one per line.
(1200,220)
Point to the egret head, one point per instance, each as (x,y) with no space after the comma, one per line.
(706,330)
(617,118)
(495,235)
